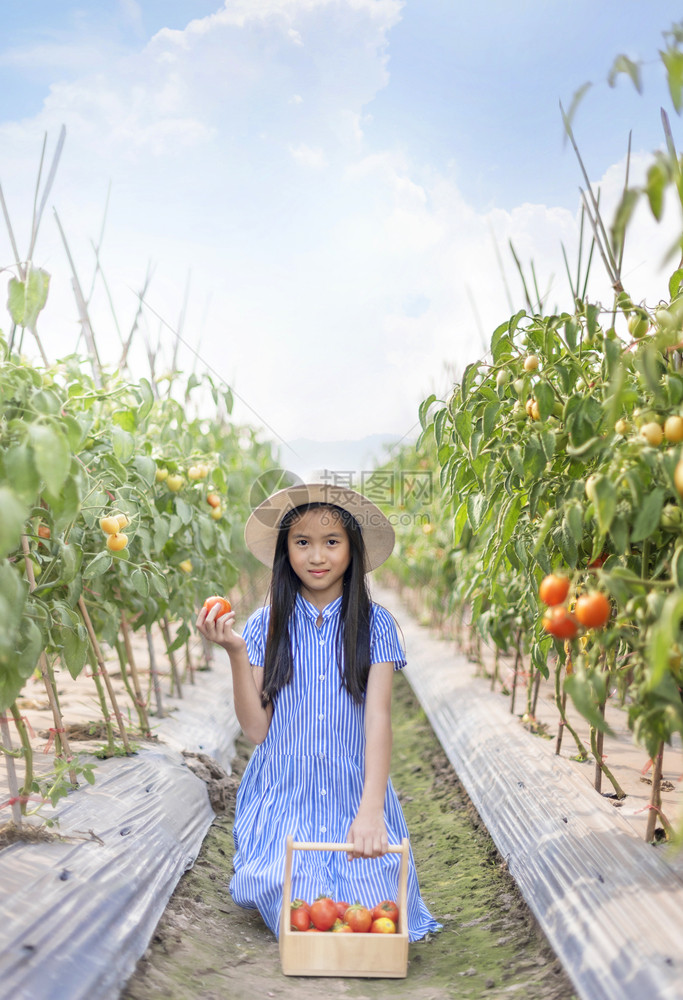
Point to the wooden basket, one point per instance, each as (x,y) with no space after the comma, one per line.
(378,955)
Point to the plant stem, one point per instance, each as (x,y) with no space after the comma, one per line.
(139,700)
(27,753)
(11,770)
(103,672)
(62,747)
(518,660)
(175,678)
(561,702)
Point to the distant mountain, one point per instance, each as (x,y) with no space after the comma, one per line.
(311,459)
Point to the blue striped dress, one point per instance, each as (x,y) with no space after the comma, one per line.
(306,779)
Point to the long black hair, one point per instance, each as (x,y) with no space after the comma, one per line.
(353,629)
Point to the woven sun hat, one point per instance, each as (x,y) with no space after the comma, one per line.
(261,529)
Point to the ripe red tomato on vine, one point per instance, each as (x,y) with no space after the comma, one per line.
(554,589)
(593,609)
(560,622)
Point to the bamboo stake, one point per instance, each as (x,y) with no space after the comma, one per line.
(61,740)
(154,671)
(139,700)
(11,771)
(656,794)
(175,677)
(103,702)
(104,673)
(561,702)
(518,660)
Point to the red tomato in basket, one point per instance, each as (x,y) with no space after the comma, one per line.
(359,918)
(341,909)
(383,926)
(339,927)
(301,904)
(323,913)
(387,908)
(300,919)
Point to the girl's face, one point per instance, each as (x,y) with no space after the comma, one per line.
(319,553)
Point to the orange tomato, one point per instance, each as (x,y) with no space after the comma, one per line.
(213,500)
(43,531)
(117,542)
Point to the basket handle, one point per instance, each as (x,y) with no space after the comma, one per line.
(403,849)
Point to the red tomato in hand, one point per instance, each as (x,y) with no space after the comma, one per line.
(359,918)
(387,908)
(223,605)
(323,913)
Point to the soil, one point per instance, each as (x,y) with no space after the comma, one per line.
(207,948)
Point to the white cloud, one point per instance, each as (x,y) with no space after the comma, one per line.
(314,158)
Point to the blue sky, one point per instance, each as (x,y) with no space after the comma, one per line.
(326,175)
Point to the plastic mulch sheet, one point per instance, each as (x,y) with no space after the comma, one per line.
(76,915)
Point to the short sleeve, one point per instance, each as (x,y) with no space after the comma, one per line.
(385,645)
(254,634)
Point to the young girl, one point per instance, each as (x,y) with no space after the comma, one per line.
(312,678)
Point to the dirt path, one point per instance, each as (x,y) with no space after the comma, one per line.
(206,948)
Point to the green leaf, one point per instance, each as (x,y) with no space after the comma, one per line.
(468,378)
(477,507)
(145,467)
(605,503)
(582,692)
(146,396)
(573,517)
(647,520)
(423,411)
(27,298)
(490,417)
(51,455)
(577,97)
(97,566)
(673,60)
(123,443)
(138,579)
(13,514)
(70,557)
(545,398)
(463,426)
(657,179)
(21,472)
(622,64)
(183,510)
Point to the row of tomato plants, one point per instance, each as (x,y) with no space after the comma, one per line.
(120,511)
(560,455)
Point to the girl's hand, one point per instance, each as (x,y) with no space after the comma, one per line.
(368,834)
(220,629)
